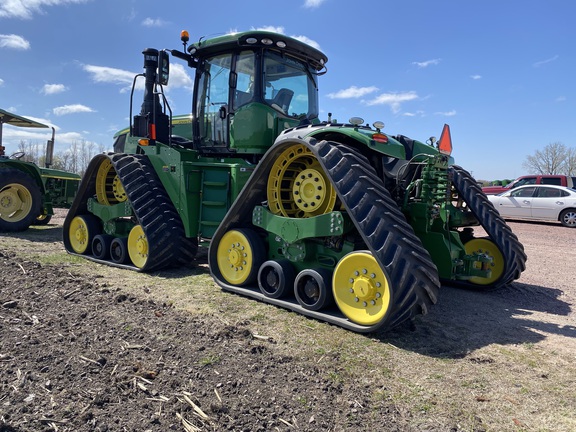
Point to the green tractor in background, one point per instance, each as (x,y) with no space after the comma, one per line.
(29,194)
(338,221)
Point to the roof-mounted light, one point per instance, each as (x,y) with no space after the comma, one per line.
(378,125)
(251,40)
(267,41)
(184,36)
(281,44)
(356,121)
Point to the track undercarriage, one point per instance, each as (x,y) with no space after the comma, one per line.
(314,230)
(123,217)
(328,240)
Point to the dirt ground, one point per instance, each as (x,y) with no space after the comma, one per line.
(87,348)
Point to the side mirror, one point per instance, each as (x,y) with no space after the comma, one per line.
(163,68)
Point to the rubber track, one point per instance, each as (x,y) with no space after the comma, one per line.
(412,275)
(496,228)
(168,245)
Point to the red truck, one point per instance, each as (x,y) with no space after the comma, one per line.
(558,180)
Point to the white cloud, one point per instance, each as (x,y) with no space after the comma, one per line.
(71,109)
(308,41)
(476,77)
(151,22)
(394,100)
(25,9)
(352,92)
(414,114)
(14,41)
(104,74)
(425,64)
(1,82)
(274,29)
(50,89)
(543,62)
(179,77)
(447,113)
(312,4)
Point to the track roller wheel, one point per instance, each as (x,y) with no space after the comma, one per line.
(119,250)
(313,290)
(101,246)
(239,256)
(361,288)
(138,246)
(298,186)
(109,189)
(276,278)
(487,247)
(82,231)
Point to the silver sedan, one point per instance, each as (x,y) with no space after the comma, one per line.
(538,202)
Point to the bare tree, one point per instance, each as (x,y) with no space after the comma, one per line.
(571,162)
(552,159)
(87,152)
(32,151)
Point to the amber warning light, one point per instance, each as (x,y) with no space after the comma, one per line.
(445,142)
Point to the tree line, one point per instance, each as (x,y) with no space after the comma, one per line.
(75,159)
(555,158)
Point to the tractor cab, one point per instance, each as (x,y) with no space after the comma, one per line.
(248,88)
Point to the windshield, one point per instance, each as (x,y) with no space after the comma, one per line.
(289,86)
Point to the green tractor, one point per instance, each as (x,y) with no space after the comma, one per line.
(341,222)
(29,194)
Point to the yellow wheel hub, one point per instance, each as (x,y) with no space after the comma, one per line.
(235,257)
(309,191)
(138,246)
(361,288)
(298,186)
(488,248)
(79,235)
(15,202)
(109,189)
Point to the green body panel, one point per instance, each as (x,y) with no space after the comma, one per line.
(361,136)
(201,188)
(292,229)
(109,212)
(255,126)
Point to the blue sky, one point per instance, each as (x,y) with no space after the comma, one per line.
(500,72)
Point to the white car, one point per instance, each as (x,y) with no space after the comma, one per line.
(538,202)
